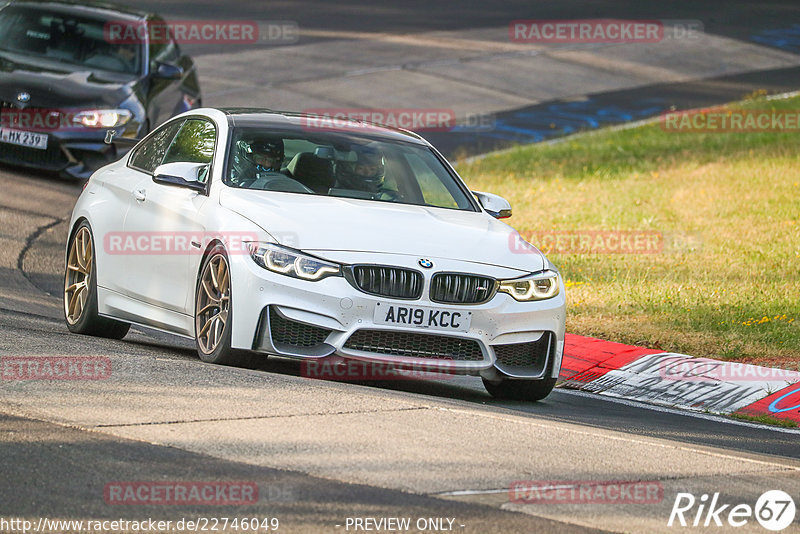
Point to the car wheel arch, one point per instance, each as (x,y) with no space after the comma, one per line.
(73,230)
(210,248)
(213,245)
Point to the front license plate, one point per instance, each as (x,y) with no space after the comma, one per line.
(422,317)
(21,138)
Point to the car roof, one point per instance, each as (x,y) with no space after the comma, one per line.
(84,7)
(306,122)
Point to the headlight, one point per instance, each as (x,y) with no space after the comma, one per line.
(539,286)
(102,118)
(292,262)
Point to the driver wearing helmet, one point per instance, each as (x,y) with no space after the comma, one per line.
(367,173)
(255,156)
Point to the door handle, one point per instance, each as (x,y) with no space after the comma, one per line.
(140,195)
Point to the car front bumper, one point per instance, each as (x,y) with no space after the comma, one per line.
(326,316)
(75,153)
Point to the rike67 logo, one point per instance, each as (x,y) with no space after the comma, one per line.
(774,510)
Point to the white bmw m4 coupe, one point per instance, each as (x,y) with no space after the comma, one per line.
(262,233)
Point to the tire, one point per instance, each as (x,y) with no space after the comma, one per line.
(80,290)
(523,390)
(213,315)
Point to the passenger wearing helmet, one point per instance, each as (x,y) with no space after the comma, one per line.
(256,156)
(367,173)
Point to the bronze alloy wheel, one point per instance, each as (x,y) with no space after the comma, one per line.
(79,271)
(213,303)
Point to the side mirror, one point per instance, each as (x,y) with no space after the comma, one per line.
(495,205)
(111,139)
(182,174)
(168,71)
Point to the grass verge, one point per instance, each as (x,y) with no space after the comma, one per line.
(765,419)
(725,206)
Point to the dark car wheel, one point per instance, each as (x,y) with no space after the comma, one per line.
(524,390)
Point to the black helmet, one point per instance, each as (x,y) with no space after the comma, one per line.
(366,173)
(266,153)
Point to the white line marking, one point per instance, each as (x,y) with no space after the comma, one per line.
(575,484)
(470,492)
(675,411)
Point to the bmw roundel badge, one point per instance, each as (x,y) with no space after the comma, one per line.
(426,264)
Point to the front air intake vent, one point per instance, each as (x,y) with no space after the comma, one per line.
(530,357)
(412,345)
(287,332)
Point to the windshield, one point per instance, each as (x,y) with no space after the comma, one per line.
(342,165)
(66,38)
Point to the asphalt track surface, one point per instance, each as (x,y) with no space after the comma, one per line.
(322,451)
(535,117)
(736,18)
(59,461)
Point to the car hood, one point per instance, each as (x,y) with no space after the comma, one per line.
(55,85)
(319,223)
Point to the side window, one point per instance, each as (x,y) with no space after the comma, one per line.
(165,52)
(162,46)
(194,143)
(172,53)
(149,155)
(156,27)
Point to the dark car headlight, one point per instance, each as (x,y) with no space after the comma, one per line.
(102,118)
(291,262)
(538,286)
